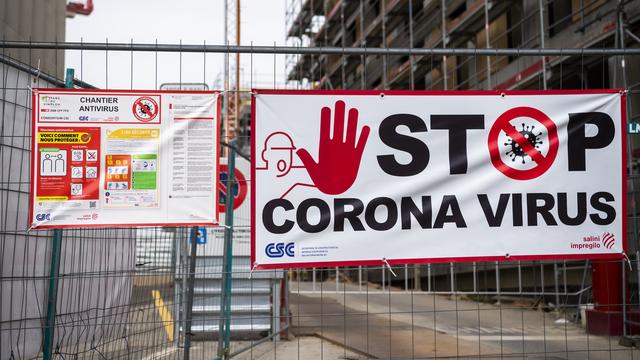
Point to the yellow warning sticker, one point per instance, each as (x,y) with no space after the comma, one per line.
(52,198)
(55,137)
(133,133)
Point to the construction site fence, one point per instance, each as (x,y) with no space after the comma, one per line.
(138,293)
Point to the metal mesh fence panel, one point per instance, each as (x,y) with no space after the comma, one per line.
(131,293)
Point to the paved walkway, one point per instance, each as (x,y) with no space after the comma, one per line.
(403,325)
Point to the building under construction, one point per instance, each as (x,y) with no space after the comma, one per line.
(524,24)
(459,24)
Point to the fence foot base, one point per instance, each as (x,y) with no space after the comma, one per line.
(600,322)
(626,341)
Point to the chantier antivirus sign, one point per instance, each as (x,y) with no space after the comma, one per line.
(111,158)
(355,178)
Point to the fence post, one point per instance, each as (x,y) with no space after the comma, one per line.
(224,328)
(542,35)
(54,271)
(189,294)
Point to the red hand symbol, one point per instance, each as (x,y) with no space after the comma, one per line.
(338,159)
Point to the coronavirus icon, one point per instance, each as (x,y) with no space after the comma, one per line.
(515,150)
(145,109)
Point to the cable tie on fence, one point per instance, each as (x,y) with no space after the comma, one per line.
(38,75)
(37,79)
(626,257)
(384,260)
(253,267)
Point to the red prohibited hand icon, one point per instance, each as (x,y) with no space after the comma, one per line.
(338,157)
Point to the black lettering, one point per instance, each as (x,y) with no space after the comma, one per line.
(352,216)
(408,208)
(449,202)
(392,214)
(457,126)
(417,149)
(516,208)
(303,213)
(563,212)
(494,219)
(607,209)
(267,216)
(578,142)
(544,209)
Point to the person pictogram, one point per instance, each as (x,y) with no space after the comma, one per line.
(59,162)
(47,164)
(277,154)
(339,154)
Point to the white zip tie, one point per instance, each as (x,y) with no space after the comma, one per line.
(33,90)
(628,261)
(384,260)
(38,76)
(255,264)
(222,92)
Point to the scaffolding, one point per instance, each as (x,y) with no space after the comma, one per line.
(426,26)
(473,24)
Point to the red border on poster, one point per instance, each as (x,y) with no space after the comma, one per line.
(143,93)
(36,107)
(501,93)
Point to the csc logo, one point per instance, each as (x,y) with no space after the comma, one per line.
(274,250)
(43,217)
(84,118)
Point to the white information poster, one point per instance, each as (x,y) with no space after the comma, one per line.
(124,158)
(374,178)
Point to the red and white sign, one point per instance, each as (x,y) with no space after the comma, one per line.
(118,157)
(145,109)
(241,211)
(116,106)
(366,178)
(239,187)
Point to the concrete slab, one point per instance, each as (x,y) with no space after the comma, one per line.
(401,324)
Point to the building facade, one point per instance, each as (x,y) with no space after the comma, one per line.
(469,24)
(35,20)
(457,24)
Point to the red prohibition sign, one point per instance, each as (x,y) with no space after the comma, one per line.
(239,181)
(142,112)
(543,163)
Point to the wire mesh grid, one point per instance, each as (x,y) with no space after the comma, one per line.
(126,292)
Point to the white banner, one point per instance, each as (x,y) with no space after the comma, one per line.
(113,157)
(368,178)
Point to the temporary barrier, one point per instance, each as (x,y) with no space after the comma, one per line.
(136,293)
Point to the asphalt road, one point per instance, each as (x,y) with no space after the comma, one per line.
(405,325)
